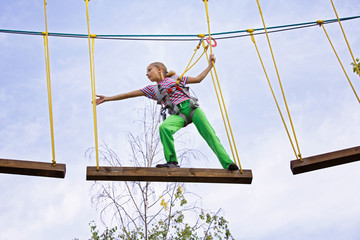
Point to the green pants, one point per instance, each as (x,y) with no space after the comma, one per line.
(173,123)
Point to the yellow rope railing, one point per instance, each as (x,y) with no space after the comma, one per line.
(271,89)
(278,75)
(321,23)
(92,75)
(188,67)
(347,42)
(48,81)
(219,88)
(221,109)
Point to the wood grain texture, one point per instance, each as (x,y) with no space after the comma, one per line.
(169,175)
(325,160)
(40,169)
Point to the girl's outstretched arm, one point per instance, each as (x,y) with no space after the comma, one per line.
(121,96)
(204,73)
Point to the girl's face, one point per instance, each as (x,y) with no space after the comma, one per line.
(154,73)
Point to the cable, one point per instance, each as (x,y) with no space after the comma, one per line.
(179,37)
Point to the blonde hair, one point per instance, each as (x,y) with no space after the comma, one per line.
(163,68)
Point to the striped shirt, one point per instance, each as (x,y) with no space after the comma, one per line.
(176,96)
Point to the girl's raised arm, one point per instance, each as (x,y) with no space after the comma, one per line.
(204,73)
(121,96)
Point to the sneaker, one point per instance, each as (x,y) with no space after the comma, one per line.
(233,167)
(168,165)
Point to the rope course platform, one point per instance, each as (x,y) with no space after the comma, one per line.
(325,160)
(197,175)
(30,168)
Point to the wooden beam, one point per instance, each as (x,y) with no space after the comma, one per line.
(31,168)
(168,175)
(325,160)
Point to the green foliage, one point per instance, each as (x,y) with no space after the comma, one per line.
(173,225)
(354,66)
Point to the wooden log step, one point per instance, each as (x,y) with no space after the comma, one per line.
(197,175)
(325,160)
(40,169)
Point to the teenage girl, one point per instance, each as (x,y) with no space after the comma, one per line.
(157,73)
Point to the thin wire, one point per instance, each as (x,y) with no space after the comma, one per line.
(178,37)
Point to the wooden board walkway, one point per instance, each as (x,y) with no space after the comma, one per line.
(198,175)
(325,160)
(31,168)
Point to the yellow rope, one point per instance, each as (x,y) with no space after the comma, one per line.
(47,66)
(272,91)
(219,87)
(282,90)
(221,110)
(205,49)
(342,29)
(320,22)
(187,67)
(92,75)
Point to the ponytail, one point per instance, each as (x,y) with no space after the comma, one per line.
(163,68)
(170,74)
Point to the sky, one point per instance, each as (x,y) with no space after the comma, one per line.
(323,204)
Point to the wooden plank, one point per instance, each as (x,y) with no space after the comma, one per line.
(31,168)
(168,175)
(325,160)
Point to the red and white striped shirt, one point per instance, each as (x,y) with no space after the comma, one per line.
(175,96)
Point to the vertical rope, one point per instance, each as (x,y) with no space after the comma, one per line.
(48,81)
(278,75)
(320,22)
(221,110)
(92,75)
(218,83)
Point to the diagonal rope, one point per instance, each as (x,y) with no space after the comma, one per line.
(271,89)
(320,22)
(347,42)
(278,75)
(188,67)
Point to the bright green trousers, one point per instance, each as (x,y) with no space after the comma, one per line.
(174,122)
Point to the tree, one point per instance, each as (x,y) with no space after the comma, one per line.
(354,66)
(147,210)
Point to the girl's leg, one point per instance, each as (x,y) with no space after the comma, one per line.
(170,126)
(207,132)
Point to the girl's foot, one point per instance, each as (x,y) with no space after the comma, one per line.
(233,167)
(168,165)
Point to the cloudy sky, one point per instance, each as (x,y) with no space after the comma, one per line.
(277,205)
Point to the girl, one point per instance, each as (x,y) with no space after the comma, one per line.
(167,92)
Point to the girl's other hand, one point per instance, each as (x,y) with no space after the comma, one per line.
(212,59)
(100,99)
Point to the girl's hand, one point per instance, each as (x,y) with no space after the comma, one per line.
(212,60)
(100,99)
